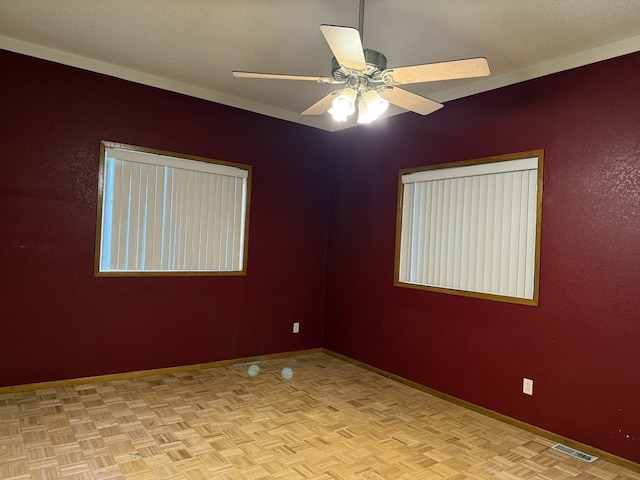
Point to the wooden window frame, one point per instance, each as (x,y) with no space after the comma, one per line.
(104,149)
(533,300)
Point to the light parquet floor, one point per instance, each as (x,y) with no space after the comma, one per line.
(331,420)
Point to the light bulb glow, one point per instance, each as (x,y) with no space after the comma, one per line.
(364,114)
(370,106)
(376,105)
(337,115)
(343,105)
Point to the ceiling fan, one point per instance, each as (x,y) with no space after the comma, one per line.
(368,84)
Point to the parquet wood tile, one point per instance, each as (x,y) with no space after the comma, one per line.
(331,421)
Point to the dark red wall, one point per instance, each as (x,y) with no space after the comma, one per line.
(581,345)
(57,320)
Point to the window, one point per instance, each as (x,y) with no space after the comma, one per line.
(161,213)
(472,228)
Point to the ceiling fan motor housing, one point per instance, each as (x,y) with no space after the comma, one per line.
(376,63)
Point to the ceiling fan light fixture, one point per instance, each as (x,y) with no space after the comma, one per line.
(375,103)
(363,113)
(367,80)
(343,105)
(370,106)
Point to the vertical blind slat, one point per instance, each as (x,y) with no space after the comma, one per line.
(406,232)
(498,247)
(107,215)
(523,233)
(531,230)
(514,235)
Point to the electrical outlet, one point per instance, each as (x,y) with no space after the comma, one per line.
(296,327)
(527,386)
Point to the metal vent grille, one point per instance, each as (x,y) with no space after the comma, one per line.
(575,453)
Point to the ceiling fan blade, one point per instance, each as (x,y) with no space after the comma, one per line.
(346,46)
(278,76)
(431,72)
(321,105)
(410,101)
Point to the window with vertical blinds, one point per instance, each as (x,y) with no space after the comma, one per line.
(472,228)
(161,213)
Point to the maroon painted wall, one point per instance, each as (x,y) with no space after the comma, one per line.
(581,345)
(57,320)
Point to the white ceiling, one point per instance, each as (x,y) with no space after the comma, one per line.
(191,46)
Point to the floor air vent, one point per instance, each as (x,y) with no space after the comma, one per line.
(575,453)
